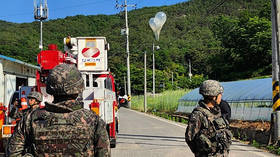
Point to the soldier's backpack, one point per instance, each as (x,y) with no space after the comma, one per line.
(61,133)
(217,136)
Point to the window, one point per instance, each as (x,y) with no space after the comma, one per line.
(94,81)
(108,83)
(87,80)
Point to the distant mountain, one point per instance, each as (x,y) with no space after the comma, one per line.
(224,40)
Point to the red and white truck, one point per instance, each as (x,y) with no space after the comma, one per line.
(90,56)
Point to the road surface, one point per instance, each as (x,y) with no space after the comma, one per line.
(142,135)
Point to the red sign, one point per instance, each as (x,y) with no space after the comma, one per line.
(90,52)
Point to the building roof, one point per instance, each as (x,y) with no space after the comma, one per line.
(239,91)
(18,61)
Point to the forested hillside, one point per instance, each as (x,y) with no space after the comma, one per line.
(224,41)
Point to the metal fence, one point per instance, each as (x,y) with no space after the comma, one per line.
(246,110)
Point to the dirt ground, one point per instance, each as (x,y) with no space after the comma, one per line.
(255,125)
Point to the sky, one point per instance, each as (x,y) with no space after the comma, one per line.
(21,11)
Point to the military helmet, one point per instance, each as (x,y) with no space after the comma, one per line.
(35,95)
(211,88)
(65,79)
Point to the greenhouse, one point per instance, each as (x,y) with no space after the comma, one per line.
(249,99)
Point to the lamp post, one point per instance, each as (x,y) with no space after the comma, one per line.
(156,24)
(145,83)
(190,70)
(154,82)
(41,13)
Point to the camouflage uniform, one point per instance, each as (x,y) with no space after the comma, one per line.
(16,113)
(63,128)
(207,133)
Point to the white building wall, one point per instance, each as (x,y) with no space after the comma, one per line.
(9,88)
(1,83)
(10,70)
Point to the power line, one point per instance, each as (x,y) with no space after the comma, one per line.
(125,5)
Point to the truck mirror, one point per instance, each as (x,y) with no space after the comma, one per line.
(107,46)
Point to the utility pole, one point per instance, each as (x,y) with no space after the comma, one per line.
(190,69)
(41,13)
(154,82)
(275,121)
(124,79)
(127,46)
(172,79)
(145,83)
(154,72)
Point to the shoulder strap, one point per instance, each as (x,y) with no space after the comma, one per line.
(204,111)
(207,114)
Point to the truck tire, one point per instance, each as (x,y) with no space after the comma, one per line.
(113,142)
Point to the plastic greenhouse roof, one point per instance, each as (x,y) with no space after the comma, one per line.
(239,91)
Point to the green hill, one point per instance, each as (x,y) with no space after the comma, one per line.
(223,41)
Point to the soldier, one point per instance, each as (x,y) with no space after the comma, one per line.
(15,109)
(207,133)
(34,99)
(225,110)
(62,128)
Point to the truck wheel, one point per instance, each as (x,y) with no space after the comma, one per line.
(113,142)
(117,125)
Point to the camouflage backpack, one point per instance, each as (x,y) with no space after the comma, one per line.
(61,134)
(215,136)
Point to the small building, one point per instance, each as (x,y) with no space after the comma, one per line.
(14,74)
(249,99)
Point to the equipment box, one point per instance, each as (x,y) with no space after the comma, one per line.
(92,53)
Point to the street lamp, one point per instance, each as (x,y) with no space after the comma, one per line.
(190,70)
(41,13)
(145,83)
(156,24)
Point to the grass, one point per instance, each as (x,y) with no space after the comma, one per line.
(164,102)
(162,105)
(270,148)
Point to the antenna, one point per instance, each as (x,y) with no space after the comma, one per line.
(40,10)
(41,13)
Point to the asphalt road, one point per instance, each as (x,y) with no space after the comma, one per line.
(142,135)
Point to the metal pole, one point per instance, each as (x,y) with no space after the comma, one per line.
(154,84)
(125,92)
(275,71)
(145,83)
(190,69)
(275,55)
(127,50)
(41,35)
(172,79)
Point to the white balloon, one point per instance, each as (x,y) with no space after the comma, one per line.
(156,27)
(154,24)
(157,22)
(161,16)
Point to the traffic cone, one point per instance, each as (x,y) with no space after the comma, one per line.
(23,101)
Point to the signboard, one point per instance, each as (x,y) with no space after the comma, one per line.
(92,55)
